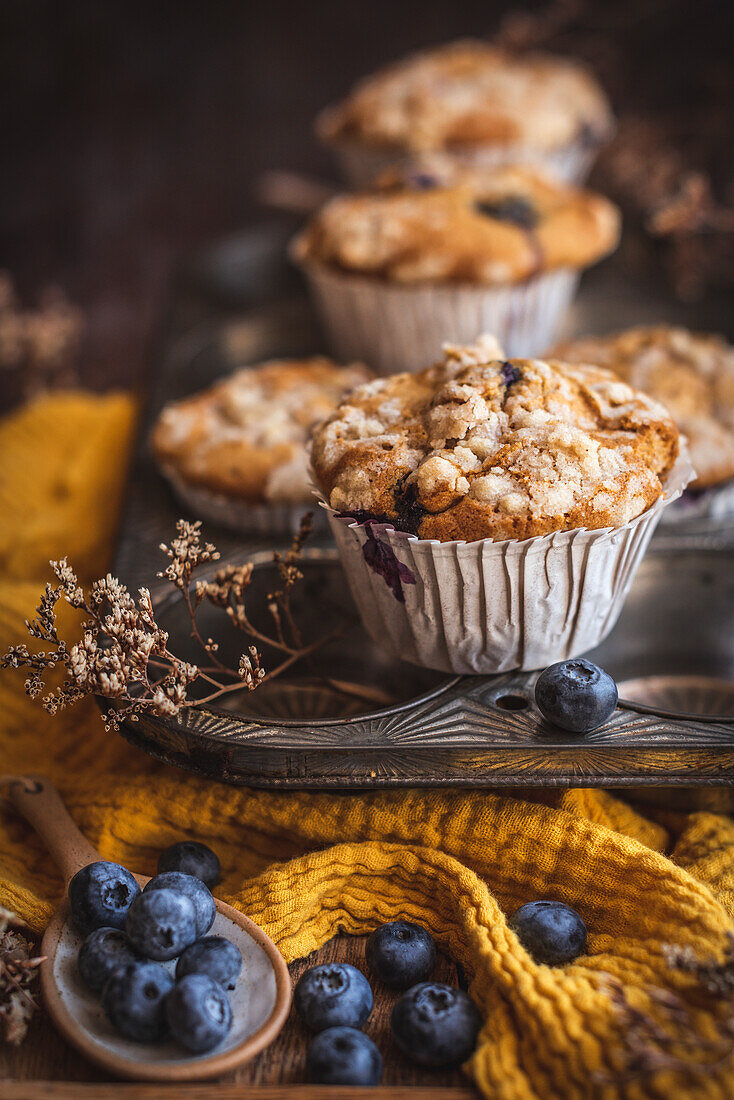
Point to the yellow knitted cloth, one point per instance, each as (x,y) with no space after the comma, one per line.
(305,866)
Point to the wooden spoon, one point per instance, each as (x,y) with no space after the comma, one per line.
(260,1000)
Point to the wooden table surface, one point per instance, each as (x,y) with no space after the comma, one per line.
(45,1067)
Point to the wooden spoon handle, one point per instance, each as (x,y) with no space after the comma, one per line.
(41,805)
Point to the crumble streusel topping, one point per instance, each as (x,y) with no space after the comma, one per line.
(247,435)
(692,374)
(482,447)
(481,227)
(469,93)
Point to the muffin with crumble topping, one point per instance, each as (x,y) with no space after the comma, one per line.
(692,374)
(477,103)
(236,453)
(491,512)
(444,255)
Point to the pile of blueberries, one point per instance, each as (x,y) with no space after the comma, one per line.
(432,1023)
(130,932)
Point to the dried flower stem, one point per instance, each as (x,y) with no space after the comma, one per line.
(18,970)
(124,654)
(650,1045)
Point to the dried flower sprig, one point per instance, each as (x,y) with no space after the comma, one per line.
(39,345)
(715,976)
(669,1041)
(124,655)
(18,971)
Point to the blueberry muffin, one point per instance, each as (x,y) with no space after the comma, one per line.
(244,440)
(488,228)
(479,447)
(692,374)
(423,258)
(477,102)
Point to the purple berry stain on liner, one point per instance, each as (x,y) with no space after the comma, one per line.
(380,557)
(382,560)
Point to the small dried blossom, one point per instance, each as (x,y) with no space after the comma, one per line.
(40,346)
(18,971)
(187,552)
(249,671)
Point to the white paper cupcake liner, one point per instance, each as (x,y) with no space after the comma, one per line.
(716,503)
(360,165)
(488,607)
(393,327)
(278,518)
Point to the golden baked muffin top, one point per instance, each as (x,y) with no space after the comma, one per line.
(481,447)
(470,93)
(692,374)
(246,436)
(490,228)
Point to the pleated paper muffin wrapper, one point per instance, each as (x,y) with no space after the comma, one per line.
(361,164)
(488,607)
(395,327)
(277,519)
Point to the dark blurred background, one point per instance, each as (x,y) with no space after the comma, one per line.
(136,131)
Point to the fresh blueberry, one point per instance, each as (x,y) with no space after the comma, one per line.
(401,954)
(198,1011)
(104,951)
(193,859)
(161,924)
(100,896)
(343,1056)
(576,695)
(214,956)
(134,999)
(553,933)
(333,995)
(198,894)
(435,1024)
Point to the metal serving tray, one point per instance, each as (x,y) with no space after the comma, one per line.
(672,651)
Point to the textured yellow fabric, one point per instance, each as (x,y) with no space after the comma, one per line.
(305,866)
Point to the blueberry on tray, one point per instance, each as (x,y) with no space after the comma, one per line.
(577,695)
